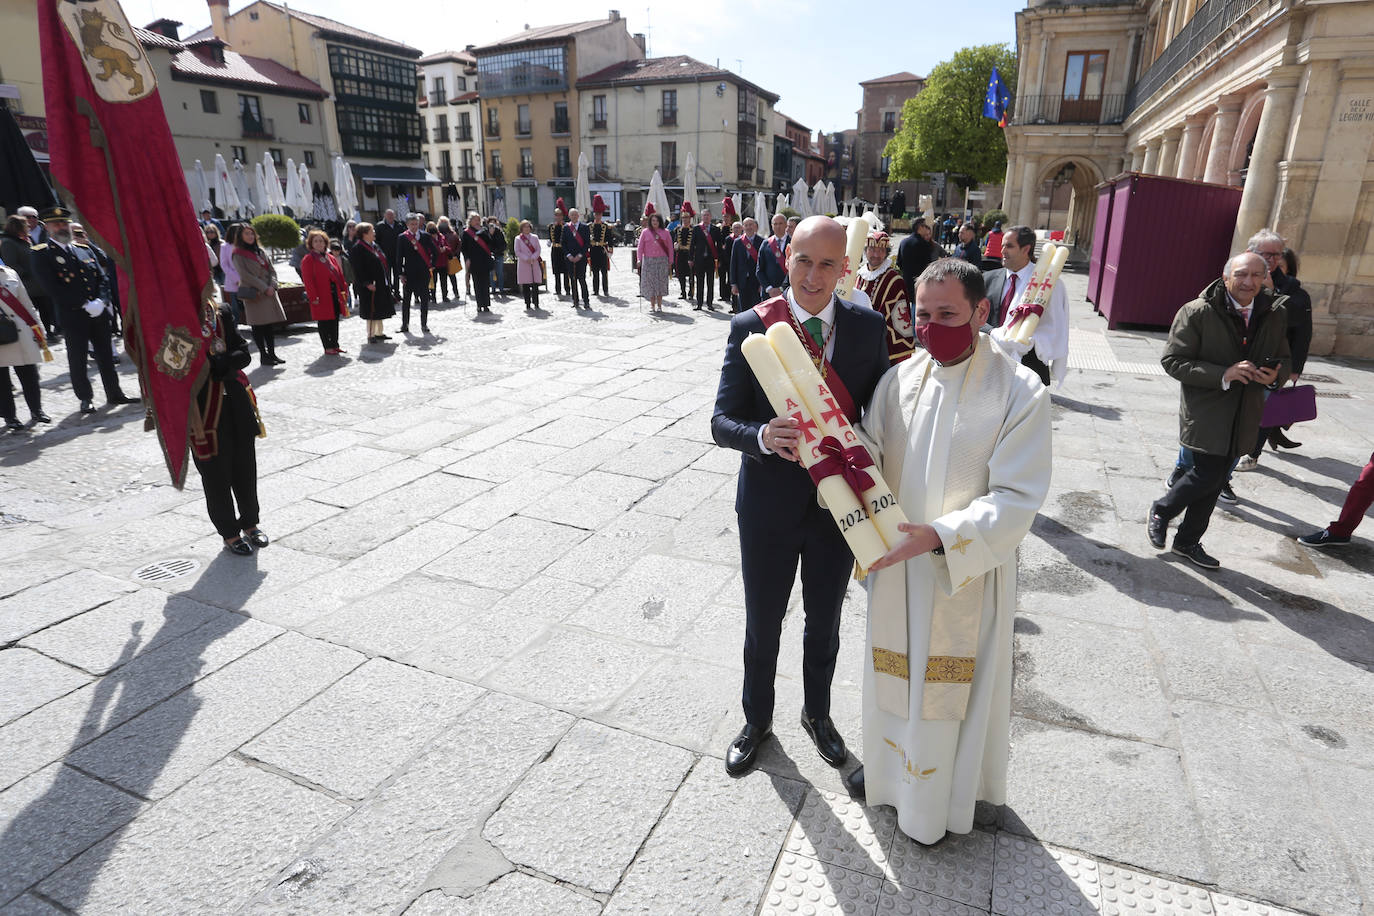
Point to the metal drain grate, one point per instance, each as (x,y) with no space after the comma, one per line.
(165,570)
(1339,395)
(1324,379)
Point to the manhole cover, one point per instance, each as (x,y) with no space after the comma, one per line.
(1339,395)
(163,570)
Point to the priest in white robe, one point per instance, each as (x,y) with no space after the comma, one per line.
(962,433)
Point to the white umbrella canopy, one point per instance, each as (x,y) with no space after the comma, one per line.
(760,209)
(799,199)
(783,202)
(689,182)
(307,192)
(498,210)
(738,200)
(659,197)
(819,205)
(295,197)
(582,191)
(225,192)
(830,197)
(264,204)
(200,188)
(241,188)
(273,185)
(345,190)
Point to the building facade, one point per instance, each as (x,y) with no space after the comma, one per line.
(529,99)
(641,115)
(21,75)
(1273,96)
(879,119)
(372,118)
(451,138)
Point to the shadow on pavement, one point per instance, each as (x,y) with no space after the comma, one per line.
(1096,410)
(118,697)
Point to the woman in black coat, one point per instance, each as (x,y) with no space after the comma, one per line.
(224,452)
(370,270)
(1298,306)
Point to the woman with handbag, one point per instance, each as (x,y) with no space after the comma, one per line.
(1283,267)
(655,258)
(258,293)
(370,272)
(326,288)
(528,272)
(21,347)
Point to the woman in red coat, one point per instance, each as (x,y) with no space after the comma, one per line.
(326,289)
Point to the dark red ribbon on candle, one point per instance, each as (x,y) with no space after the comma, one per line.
(847,462)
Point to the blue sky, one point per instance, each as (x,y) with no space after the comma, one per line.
(813,54)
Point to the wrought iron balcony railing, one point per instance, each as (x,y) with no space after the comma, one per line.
(1211,19)
(1056,109)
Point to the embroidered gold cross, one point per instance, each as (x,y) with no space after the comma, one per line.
(966,582)
(960,544)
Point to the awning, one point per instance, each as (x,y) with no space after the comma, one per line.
(395,174)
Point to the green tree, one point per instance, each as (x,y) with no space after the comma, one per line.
(943,128)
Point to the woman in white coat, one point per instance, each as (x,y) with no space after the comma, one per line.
(23,353)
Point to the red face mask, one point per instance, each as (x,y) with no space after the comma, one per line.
(943,342)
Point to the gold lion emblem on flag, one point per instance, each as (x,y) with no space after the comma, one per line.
(109,49)
(177,352)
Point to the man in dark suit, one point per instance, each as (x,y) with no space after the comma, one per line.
(480,260)
(744,266)
(914,255)
(416,256)
(780,519)
(388,231)
(72,277)
(773,260)
(577,243)
(706,255)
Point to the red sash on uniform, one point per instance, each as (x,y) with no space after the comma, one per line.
(777,250)
(17,307)
(749,247)
(711,244)
(420,249)
(667,252)
(777,310)
(478,239)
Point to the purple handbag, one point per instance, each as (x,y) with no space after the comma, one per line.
(1294,404)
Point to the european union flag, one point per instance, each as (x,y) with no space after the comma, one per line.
(998,98)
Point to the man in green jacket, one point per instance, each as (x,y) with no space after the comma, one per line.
(1225,348)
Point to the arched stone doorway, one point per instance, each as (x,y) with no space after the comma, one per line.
(1067,183)
(1238,159)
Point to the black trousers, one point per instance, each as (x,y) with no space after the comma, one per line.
(601,271)
(1194,495)
(577,279)
(559,269)
(446,280)
(531,291)
(1033,362)
(769,559)
(481,286)
(231,476)
(704,281)
(419,289)
(86,333)
(684,273)
(49,314)
(28,380)
(264,335)
(723,271)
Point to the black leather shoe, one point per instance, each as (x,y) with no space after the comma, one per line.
(1158,530)
(828,741)
(1278,440)
(239,546)
(41,417)
(1197,556)
(123,399)
(87,406)
(854,782)
(257,538)
(743,752)
(14,425)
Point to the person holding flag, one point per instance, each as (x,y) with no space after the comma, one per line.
(997,100)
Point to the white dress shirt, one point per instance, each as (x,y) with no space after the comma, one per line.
(827,317)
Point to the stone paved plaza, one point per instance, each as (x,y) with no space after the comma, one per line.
(491,662)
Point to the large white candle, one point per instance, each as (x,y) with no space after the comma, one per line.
(858,529)
(879,501)
(856,241)
(1042,295)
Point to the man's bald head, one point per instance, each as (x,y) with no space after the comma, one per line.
(1244,277)
(816,261)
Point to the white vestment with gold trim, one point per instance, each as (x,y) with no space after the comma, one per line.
(968,449)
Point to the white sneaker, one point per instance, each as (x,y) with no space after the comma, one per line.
(1247,464)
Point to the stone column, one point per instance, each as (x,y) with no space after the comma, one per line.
(1137,158)
(1168,152)
(1223,136)
(1151,164)
(1187,148)
(1028,208)
(1271,138)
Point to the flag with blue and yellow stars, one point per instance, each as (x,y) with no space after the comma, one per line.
(998,98)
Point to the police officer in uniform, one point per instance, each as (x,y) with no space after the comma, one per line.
(72,277)
(557,264)
(682,246)
(603,243)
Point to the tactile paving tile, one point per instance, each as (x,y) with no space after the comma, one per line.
(1223,905)
(1091,350)
(1132,893)
(838,830)
(959,867)
(1029,878)
(806,887)
(899,901)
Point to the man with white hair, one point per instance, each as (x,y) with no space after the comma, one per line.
(1225,348)
(37,232)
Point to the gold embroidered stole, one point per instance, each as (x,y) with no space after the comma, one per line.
(957,608)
